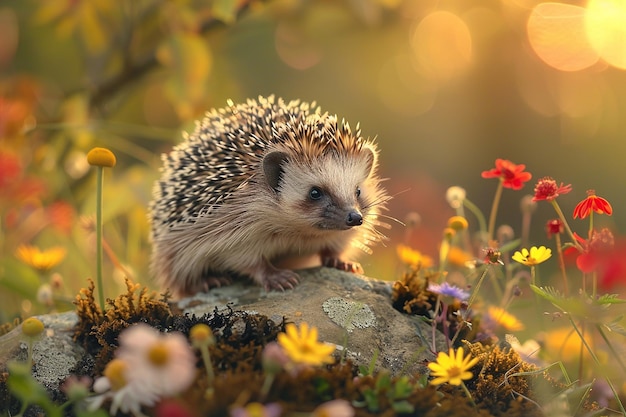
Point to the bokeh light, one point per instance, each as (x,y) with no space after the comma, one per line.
(606,30)
(442,44)
(556,32)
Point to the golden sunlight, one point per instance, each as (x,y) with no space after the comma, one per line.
(442,44)
(606,30)
(556,32)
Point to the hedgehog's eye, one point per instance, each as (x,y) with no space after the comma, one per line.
(358,192)
(315,193)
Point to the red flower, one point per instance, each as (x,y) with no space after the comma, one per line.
(492,256)
(512,175)
(595,250)
(554,227)
(546,189)
(592,203)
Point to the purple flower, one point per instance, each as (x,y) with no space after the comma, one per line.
(448,290)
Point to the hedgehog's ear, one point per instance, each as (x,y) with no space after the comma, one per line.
(370,155)
(272,167)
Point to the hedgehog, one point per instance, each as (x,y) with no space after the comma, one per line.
(259,184)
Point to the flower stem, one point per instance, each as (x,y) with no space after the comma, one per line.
(494,210)
(597,361)
(469,395)
(559,212)
(561,263)
(482,224)
(206,358)
(475,290)
(99,182)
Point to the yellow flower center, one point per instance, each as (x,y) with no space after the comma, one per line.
(114,372)
(454,371)
(158,355)
(255,410)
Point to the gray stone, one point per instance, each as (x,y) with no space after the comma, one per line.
(351,311)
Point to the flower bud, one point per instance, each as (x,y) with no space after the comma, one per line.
(101,157)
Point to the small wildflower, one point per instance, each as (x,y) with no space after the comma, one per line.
(334,408)
(505,234)
(101,157)
(455,196)
(546,189)
(76,388)
(32,327)
(459,257)
(596,250)
(492,256)
(554,227)
(457,223)
(528,204)
(126,394)
(40,260)
(452,368)
(45,296)
(257,410)
(413,220)
(448,233)
(448,290)
(592,203)
(504,319)
(302,346)
(412,257)
(535,256)
(163,361)
(273,358)
(512,175)
(201,335)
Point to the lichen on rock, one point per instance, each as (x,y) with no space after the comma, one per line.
(349,314)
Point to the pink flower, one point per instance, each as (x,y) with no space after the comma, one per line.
(546,189)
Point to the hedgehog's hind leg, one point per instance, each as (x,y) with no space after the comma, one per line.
(271,278)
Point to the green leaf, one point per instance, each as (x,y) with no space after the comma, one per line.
(402,407)
(28,390)
(610,299)
(19,278)
(508,247)
(576,396)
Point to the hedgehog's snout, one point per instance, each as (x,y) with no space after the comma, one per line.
(354,218)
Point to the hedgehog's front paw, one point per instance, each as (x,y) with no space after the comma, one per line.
(347,266)
(280,279)
(215,282)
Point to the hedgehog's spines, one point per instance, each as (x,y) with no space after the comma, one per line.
(214,194)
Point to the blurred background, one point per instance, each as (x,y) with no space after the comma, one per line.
(445,86)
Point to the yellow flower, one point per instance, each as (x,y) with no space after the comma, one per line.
(504,319)
(412,257)
(535,256)
(459,257)
(457,223)
(302,347)
(32,327)
(452,368)
(38,259)
(101,157)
